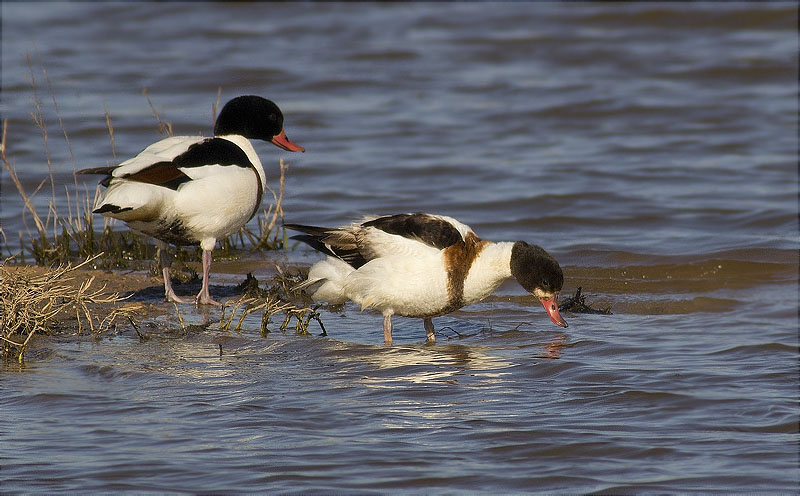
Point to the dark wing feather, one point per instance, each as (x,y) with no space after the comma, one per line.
(332,242)
(426,228)
(107,171)
(160,174)
(168,173)
(211,151)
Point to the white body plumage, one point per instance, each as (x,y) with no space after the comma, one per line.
(215,203)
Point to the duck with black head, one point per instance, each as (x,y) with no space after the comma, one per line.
(187,190)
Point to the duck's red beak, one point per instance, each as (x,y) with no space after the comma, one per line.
(280,140)
(551,306)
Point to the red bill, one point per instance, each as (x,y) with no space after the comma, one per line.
(280,140)
(551,306)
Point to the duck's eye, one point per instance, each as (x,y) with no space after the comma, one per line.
(546,283)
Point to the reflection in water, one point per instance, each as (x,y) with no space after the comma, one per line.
(432,364)
(553,348)
(444,364)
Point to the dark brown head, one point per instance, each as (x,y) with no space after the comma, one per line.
(539,273)
(254,117)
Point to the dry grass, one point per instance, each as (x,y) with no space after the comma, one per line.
(31,303)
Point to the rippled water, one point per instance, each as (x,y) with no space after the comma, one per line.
(651,147)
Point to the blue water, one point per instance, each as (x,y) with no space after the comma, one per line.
(652,148)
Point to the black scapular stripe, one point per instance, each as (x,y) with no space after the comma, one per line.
(213,151)
(431,230)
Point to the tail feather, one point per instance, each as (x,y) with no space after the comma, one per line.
(111,209)
(317,232)
(107,171)
(314,242)
(339,243)
(97,170)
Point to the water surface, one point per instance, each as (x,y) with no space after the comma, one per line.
(652,148)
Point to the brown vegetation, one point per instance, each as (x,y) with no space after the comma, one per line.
(32,302)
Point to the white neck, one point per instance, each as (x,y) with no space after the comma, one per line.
(488,271)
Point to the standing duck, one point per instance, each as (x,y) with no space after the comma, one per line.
(422,265)
(191,189)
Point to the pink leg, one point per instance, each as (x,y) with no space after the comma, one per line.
(387,330)
(429,330)
(204,297)
(166,261)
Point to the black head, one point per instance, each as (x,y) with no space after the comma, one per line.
(254,118)
(534,269)
(251,116)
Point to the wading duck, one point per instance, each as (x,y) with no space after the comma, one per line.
(187,190)
(422,265)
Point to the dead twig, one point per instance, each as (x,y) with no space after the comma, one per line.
(577,304)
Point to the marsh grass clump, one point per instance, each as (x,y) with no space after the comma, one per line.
(58,239)
(277,297)
(33,302)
